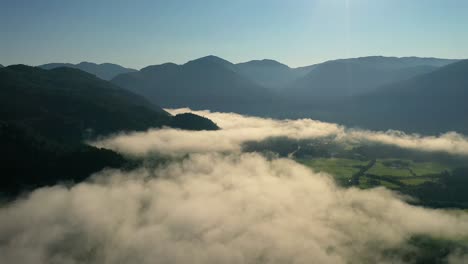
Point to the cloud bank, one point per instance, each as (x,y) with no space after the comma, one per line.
(216,208)
(238,129)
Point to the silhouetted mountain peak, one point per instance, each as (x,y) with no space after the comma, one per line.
(105,71)
(23,68)
(264,63)
(157,67)
(87,63)
(210,59)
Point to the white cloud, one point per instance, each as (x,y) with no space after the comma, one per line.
(237,129)
(215,208)
(219,205)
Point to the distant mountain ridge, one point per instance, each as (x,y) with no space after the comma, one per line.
(208,82)
(350,77)
(269,73)
(431,103)
(342,77)
(105,71)
(270,88)
(277,76)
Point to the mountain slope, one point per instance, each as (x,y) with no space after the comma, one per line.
(65,103)
(105,71)
(350,77)
(269,73)
(45,115)
(28,160)
(209,82)
(430,103)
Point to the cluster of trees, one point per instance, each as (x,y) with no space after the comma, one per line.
(29,160)
(450,191)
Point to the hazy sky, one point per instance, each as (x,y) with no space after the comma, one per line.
(301,32)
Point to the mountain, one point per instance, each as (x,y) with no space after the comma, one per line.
(189,121)
(209,82)
(64,103)
(45,115)
(1,66)
(433,102)
(344,77)
(105,71)
(269,73)
(350,77)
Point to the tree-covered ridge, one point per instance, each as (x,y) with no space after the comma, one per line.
(29,160)
(69,104)
(46,115)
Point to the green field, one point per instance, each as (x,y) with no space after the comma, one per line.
(411,168)
(381,169)
(394,172)
(406,172)
(366,183)
(342,169)
(425,168)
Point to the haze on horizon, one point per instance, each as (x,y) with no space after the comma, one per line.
(296,33)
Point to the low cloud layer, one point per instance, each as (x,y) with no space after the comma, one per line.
(216,208)
(219,205)
(238,129)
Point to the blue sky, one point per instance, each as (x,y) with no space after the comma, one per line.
(295,32)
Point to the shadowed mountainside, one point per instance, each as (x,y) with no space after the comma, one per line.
(105,71)
(434,102)
(209,82)
(431,103)
(349,77)
(269,73)
(45,115)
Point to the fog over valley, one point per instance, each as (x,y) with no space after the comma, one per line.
(243,132)
(237,129)
(214,203)
(232,208)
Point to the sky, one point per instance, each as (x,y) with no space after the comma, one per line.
(297,32)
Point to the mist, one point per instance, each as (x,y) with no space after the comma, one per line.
(237,129)
(216,204)
(217,208)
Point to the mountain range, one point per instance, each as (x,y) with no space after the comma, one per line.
(209,83)
(349,77)
(347,91)
(344,77)
(105,71)
(46,115)
(434,102)
(64,103)
(270,73)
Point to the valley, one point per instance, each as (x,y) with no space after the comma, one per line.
(234,132)
(435,179)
